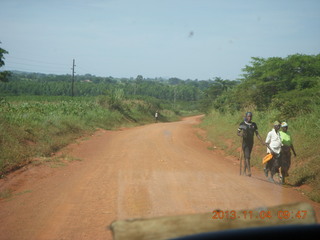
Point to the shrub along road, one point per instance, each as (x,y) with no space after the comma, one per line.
(154,170)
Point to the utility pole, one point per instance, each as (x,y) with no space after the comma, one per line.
(135,87)
(174,96)
(72,84)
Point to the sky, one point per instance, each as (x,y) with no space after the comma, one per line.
(187,39)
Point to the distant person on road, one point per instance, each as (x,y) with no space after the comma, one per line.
(273,142)
(287,147)
(156,116)
(246,130)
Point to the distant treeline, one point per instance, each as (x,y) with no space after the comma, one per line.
(22,83)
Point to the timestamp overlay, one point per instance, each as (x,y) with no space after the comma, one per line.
(299,213)
(259,214)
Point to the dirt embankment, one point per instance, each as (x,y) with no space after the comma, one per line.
(148,171)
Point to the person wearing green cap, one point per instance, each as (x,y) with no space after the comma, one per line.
(273,142)
(287,147)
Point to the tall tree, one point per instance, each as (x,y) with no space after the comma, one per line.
(266,78)
(5,74)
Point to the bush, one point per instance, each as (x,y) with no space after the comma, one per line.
(296,103)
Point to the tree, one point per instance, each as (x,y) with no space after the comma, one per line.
(5,74)
(175,81)
(217,91)
(139,78)
(266,78)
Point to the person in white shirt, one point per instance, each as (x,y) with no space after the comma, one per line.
(273,141)
(156,115)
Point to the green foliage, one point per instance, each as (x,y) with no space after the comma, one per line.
(37,126)
(265,79)
(296,102)
(5,74)
(2,52)
(89,85)
(290,85)
(216,94)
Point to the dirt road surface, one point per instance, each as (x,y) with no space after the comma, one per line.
(154,170)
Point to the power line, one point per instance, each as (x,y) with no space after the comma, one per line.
(37,61)
(84,70)
(28,69)
(45,64)
(33,65)
(72,85)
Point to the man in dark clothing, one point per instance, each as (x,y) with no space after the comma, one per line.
(246,130)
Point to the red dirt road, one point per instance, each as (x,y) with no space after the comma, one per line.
(154,170)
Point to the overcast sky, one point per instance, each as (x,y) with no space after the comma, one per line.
(188,39)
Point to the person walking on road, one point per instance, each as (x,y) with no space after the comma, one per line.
(287,147)
(156,116)
(246,130)
(273,142)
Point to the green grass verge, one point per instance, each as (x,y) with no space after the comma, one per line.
(36,126)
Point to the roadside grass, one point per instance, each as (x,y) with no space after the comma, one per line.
(5,194)
(55,161)
(8,194)
(37,127)
(305,168)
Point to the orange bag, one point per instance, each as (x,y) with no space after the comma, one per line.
(267,158)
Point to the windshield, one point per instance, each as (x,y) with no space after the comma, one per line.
(203,113)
